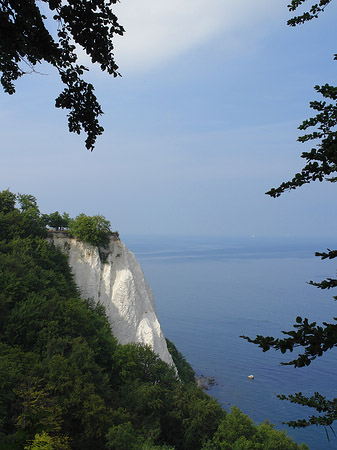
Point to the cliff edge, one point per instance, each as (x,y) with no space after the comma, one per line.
(113,277)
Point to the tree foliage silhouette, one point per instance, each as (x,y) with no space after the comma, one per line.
(321,164)
(26,41)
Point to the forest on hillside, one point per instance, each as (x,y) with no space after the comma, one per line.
(65,381)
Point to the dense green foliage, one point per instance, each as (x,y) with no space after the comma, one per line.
(312,339)
(66,383)
(56,221)
(186,373)
(238,432)
(26,41)
(92,229)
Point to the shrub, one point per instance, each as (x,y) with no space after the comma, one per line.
(92,229)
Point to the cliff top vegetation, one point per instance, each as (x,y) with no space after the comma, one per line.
(95,230)
(92,229)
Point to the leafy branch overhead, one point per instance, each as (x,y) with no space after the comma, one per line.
(26,42)
(313,12)
(321,161)
(309,340)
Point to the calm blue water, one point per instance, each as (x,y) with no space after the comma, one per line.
(210,291)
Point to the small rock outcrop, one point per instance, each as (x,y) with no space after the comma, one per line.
(205,383)
(113,277)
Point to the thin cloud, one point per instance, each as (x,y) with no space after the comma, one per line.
(158,30)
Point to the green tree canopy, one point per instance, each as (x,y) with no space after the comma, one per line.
(238,432)
(7,201)
(56,220)
(92,229)
(26,41)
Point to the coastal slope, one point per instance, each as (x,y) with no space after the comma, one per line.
(113,277)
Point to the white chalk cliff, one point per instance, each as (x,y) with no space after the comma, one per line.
(113,277)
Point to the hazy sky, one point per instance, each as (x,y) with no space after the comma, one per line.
(202,123)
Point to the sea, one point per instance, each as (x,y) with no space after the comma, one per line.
(211,290)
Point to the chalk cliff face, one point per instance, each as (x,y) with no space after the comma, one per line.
(113,277)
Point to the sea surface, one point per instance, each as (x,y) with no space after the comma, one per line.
(209,291)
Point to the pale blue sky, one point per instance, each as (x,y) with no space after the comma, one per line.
(201,124)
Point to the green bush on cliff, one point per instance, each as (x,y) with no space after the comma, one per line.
(65,381)
(92,229)
(186,373)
